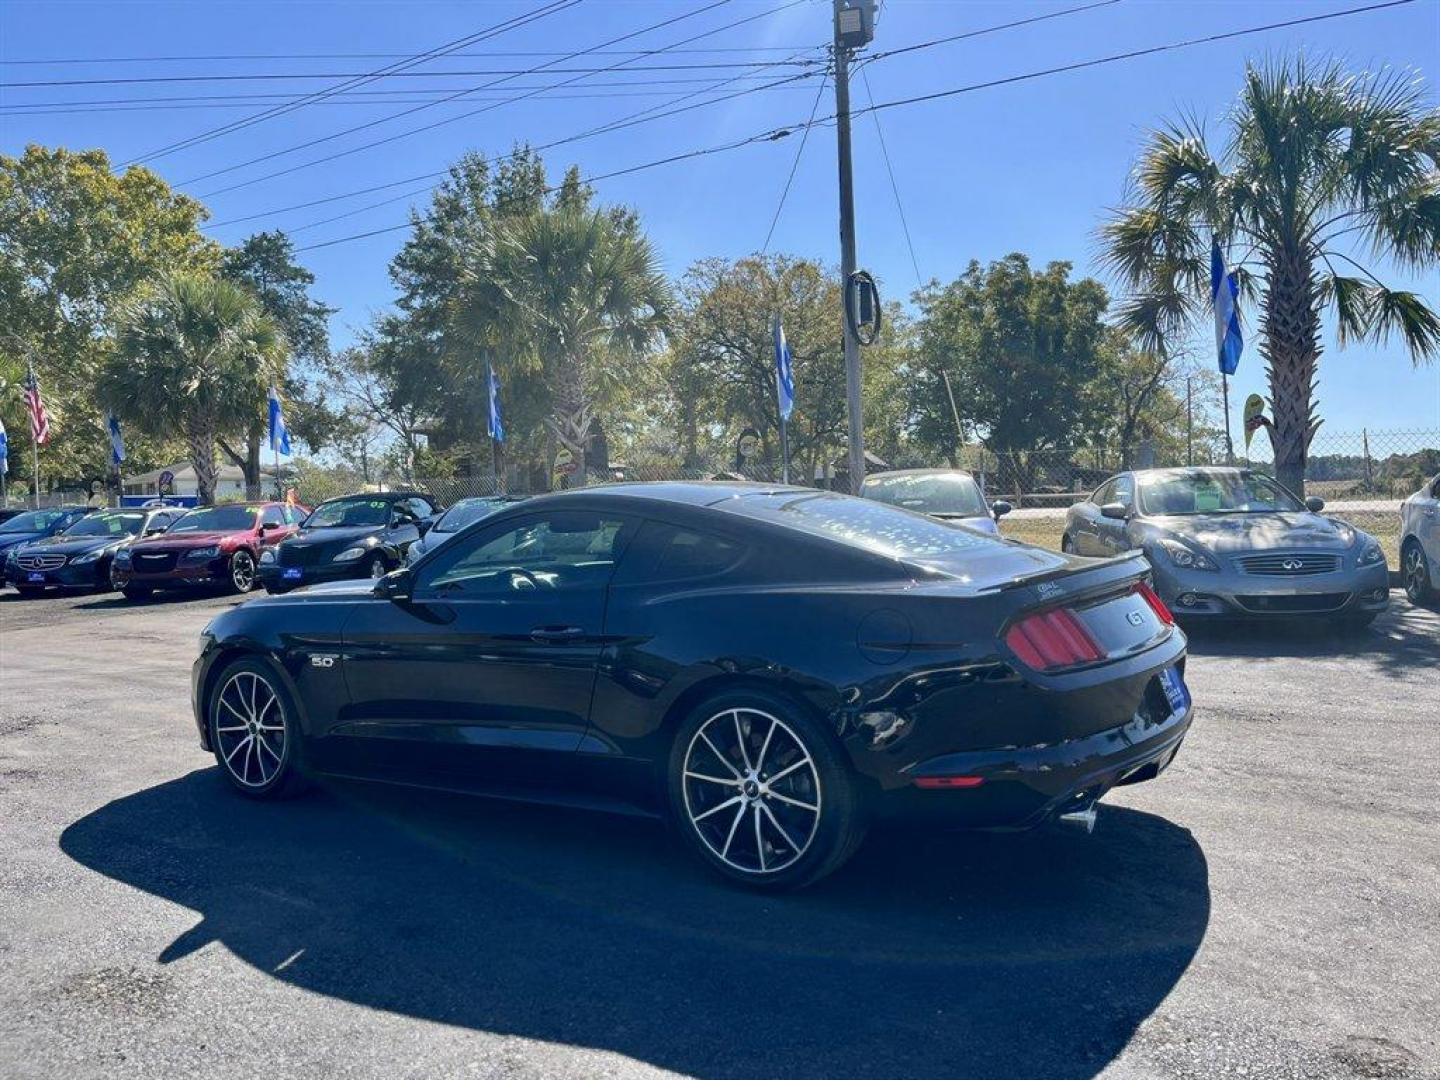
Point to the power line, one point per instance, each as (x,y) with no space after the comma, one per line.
(473,112)
(549,8)
(378,56)
(894,185)
(794,165)
(988,30)
(780,133)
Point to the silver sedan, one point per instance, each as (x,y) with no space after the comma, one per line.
(1232,542)
(1420,543)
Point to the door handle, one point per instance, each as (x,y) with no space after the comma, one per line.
(556,633)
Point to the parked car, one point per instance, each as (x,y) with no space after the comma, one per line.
(1232,542)
(28,525)
(82,557)
(1420,543)
(772,667)
(947,494)
(364,536)
(452,521)
(211,545)
(8,512)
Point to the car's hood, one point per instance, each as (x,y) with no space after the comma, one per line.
(340,534)
(1230,533)
(77,545)
(985,523)
(184,540)
(350,589)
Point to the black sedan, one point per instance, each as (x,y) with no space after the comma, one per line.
(25,526)
(82,556)
(364,536)
(771,667)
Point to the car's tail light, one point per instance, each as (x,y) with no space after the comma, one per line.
(1053,639)
(1151,597)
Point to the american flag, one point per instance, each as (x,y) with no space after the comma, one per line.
(39,418)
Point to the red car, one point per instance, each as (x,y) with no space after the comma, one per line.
(212,545)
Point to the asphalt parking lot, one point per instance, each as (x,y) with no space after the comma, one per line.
(1269,908)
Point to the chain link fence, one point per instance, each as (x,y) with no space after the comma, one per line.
(1362,476)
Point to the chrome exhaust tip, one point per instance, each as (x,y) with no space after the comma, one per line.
(1079,819)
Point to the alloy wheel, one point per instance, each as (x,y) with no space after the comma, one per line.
(242,571)
(250,729)
(752,791)
(377,568)
(1417,574)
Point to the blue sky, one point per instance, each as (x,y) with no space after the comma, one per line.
(1028,167)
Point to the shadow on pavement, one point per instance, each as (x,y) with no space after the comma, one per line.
(165,597)
(1034,955)
(1404,641)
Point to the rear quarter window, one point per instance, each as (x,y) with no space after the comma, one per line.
(685,554)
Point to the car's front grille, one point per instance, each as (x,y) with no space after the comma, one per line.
(1288,605)
(292,555)
(1289,564)
(153,562)
(40,562)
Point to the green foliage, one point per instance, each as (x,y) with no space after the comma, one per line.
(194,357)
(76,243)
(1319,167)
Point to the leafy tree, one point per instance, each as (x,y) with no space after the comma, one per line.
(76,243)
(1022,350)
(265,265)
(580,293)
(1318,164)
(195,356)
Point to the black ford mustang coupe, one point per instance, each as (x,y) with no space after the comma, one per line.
(772,667)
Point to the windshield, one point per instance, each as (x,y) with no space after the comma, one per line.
(467,512)
(349,512)
(34,521)
(107,524)
(1214,493)
(935,493)
(217,519)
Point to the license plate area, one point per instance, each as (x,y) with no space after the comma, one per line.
(291,573)
(35,576)
(1177,694)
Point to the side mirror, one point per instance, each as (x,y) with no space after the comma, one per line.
(395,585)
(1115,510)
(1314,504)
(1000,508)
(424,525)
(269,526)
(156,531)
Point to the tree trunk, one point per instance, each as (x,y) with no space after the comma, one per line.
(202,460)
(571,415)
(251,467)
(1290,344)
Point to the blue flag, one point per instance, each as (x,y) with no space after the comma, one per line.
(117,443)
(1224,292)
(279,433)
(4,450)
(495,428)
(784,373)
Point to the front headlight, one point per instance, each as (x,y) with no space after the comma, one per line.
(89,556)
(1186,558)
(268,555)
(1371,554)
(197,554)
(350,555)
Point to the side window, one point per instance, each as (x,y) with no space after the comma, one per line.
(685,554)
(293,516)
(1104,493)
(1124,489)
(420,508)
(272,515)
(538,556)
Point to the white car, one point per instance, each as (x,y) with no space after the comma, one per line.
(1420,543)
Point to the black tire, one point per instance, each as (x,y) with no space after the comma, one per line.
(1415,569)
(137,592)
(376,567)
(809,824)
(258,761)
(1066,544)
(241,573)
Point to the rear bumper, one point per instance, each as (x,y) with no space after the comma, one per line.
(1195,594)
(1024,787)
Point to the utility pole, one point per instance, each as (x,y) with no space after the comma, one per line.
(854,27)
(1189,420)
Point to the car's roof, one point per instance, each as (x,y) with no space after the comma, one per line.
(919,472)
(683,492)
(1194,470)
(391,495)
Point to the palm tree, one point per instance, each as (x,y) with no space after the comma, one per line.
(582,294)
(194,358)
(1319,166)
